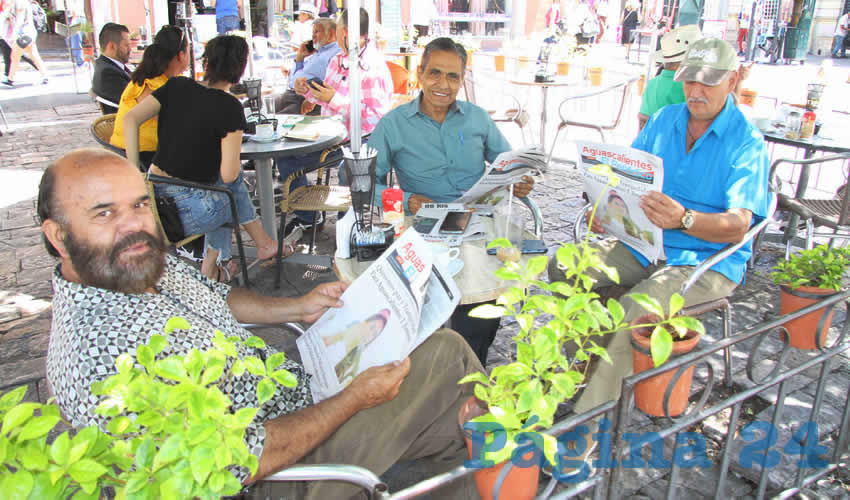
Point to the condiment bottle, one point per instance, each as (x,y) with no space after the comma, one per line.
(807,129)
(393,204)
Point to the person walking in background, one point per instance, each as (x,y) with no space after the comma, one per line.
(628,23)
(6,27)
(421,14)
(22,40)
(743,28)
(840,34)
(328,8)
(228,15)
(553,15)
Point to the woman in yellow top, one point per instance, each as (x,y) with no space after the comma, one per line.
(166,57)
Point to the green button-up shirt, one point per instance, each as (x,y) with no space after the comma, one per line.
(437,160)
(661,91)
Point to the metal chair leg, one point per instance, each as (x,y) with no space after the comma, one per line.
(313,238)
(3,115)
(279,255)
(727,354)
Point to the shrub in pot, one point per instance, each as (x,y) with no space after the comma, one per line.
(805,278)
(181,441)
(519,399)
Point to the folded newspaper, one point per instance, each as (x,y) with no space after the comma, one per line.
(619,210)
(508,168)
(397,303)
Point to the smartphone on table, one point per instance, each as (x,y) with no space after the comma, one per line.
(529,247)
(455,222)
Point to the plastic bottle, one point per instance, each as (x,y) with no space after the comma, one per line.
(807,129)
(393,203)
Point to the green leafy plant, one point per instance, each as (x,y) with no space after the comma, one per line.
(171,431)
(820,267)
(523,395)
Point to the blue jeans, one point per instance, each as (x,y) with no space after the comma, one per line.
(839,45)
(203,211)
(291,164)
(226,23)
(76,44)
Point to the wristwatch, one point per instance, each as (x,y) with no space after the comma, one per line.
(687,219)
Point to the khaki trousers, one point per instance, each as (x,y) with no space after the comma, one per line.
(421,423)
(658,281)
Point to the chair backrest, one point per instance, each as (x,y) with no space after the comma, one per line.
(400,76)
(101,130)
(601,108)
(469,86)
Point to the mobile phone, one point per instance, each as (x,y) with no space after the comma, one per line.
(455,222)
(310,46)
(424,225)
(528,247)
(317,81)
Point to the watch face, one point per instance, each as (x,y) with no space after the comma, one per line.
(688,219)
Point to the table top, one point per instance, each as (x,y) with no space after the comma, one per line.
(290,147)
(815,143)
(476,280)
(557,82)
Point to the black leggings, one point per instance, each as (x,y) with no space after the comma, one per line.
(7,57)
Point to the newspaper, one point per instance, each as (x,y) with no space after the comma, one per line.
(430,218)
(507,169)
(397,303)
(619,210)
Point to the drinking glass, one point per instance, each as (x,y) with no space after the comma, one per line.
(509,221)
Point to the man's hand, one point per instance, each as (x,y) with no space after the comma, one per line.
(415,202)
(596,227)
(303,52)
(320,299)
(300,86)
(322,93)
(522,189)
(661,210)
(379,384)
(744,71)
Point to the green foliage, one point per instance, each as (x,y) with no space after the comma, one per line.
(171,431)
(820,267)
(524,395)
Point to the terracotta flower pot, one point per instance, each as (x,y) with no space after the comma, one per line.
(649,394)
(499,62)
(641,84)
(802,330)
(563,68)
(748,97)
(520,483)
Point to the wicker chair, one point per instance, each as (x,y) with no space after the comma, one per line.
(101,130)
(315,198)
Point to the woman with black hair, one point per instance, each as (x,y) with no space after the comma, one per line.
(167,57)
(199,137)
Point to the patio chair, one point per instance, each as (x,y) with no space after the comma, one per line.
(101,130)
(313,198)
(722,305)
(832,213)
(150,180)
(515,114)
(400,76)
(597,109)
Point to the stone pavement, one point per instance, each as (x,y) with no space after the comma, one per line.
(46,126)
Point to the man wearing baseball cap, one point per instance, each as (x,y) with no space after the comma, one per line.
(715,187)
(663,89)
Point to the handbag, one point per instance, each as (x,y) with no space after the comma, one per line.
(24,41)
(169,218)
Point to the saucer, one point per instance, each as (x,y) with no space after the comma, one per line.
(271,139)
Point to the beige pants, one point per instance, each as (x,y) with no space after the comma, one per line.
(658,281)
(421,423)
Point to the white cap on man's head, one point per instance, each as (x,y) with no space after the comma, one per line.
(709,61)
(308,9)
(675,43)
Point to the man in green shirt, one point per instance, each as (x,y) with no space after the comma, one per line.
(663,90)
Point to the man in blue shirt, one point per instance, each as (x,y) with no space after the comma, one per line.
(716,171)
(437,147)
(310,65)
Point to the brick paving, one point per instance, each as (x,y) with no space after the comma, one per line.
(42,133)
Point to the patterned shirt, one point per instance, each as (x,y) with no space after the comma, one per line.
(375,82)
(93,326)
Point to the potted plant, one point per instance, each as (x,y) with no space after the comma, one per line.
(520,398)
(805,278)
(182,442)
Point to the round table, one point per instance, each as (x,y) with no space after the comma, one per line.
(476,280)
(333,133)
(544,89)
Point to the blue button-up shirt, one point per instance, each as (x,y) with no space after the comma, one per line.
(438,160)
(727,167)
(315,65)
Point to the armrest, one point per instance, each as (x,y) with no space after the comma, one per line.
(730,248)
(358,476)
(297,329)
(579,221)
(538,216)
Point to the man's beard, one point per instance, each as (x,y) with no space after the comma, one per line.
(102,267)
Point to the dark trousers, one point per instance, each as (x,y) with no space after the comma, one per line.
(479,333)
(7,57)
(290,104)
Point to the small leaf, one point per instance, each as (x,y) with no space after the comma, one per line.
(499,243)
(170,368)
(265,391)
(676,304)
(616,311)
(145,356)
(507,275)
(17,416)
(86,471)
(145,453)
(661,345)
(648,303)
(536,265)
(202,460)
(474,377)
(213,371)
(194,363)
(37,427)
(176,323)
(254,366)
(59,448)
(255,342)
(245,416)
(17,485)
(118,425)
(284,378)
(124,363)
(275,360)
(12,397)
(157,343)
(168,452)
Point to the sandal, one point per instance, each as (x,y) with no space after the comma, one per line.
(227,270)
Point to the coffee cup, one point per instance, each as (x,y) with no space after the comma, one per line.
(447,258)
(265,131)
